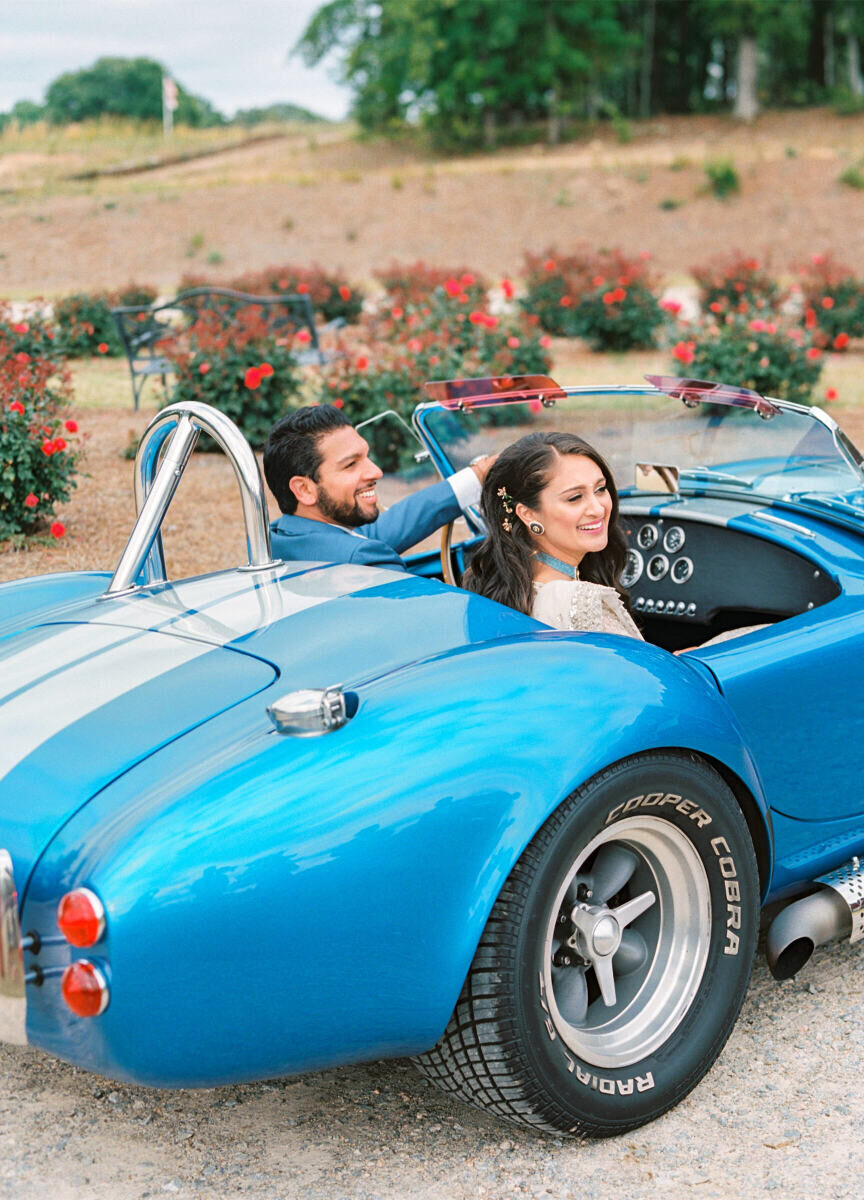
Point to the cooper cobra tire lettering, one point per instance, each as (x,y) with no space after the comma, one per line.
(732,890)
(661,837)
(658,800)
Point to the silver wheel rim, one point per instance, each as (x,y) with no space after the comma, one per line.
(630,923)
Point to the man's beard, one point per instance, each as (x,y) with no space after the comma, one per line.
(343,514)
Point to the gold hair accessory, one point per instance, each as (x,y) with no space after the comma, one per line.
(507,502)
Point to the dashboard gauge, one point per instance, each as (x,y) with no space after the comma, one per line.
(633,568)
(682,569)
(674,539)
(657,567)
(647,536)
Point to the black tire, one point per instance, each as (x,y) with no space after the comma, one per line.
(530,1042)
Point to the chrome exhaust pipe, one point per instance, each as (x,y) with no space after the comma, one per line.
(836,910)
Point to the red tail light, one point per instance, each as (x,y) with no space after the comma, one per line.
(85,989)
(81,917)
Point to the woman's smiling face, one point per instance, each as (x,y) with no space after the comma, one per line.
(574,508)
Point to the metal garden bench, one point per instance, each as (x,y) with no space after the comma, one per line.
(144,328)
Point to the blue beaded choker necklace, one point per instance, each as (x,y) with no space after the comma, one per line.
(557,565)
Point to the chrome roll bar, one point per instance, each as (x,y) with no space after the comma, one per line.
(158,469)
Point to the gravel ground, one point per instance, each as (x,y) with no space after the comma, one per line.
(778,1114)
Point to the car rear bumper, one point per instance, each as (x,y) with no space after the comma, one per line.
(13,1003)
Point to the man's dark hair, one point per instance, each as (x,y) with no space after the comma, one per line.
(293,448)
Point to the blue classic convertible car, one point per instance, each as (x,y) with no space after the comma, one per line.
(296,814)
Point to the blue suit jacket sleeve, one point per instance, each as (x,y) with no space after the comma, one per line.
(411,520)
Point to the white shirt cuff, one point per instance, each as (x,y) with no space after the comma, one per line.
(466,487)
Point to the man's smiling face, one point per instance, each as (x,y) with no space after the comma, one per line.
(346,479)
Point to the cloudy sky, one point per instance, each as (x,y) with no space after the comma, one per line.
(234,53)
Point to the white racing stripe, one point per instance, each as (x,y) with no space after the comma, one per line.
(31,718)
(223,608)
(56,648)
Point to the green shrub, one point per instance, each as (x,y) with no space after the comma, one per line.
(38,459)
(604,297)
(852,177)
(244,370)
(723,179)
(84,323)
(764,355)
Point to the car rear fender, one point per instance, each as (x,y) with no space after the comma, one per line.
(279,904)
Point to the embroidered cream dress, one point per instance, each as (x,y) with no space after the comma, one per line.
(583,606)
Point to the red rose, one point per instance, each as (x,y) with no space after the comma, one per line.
(841,341)
(302,288)
(59,444)
(31,501)
(252,378)
(452,287)
(477,318)
(21,357)
(810,318)
(338,402)
(21,327)
(685,352)
(827,301)
(467,279)
(58,529)
(362,363)
(102,347)
(491,321)
(598,280)
(549,264)
(203,368)
(47,448)
(70,426)
(545,341)
(830,393)
(16,406)
(396,313)
(566,301)
(507,288)
(716,306)
(266,370)
(303,336)
(345,291)
(608,298)
(513,343)
(814,352)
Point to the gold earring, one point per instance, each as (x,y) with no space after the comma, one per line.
(536,527)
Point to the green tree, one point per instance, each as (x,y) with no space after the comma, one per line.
(465,68)
(123,87)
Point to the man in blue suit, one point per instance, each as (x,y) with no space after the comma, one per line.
(318,467)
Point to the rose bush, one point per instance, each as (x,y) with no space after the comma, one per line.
(332,296)
(833,301)
(385,363)
(605,297)
(246,370)
(413,283)
(38,450)
(737,282)
(768,356)
(84,325)
(33,334)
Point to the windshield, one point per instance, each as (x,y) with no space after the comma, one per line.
(787,452)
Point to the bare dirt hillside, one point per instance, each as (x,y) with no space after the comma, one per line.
(357,206)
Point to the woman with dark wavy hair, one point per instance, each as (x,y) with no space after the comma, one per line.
(554,548)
